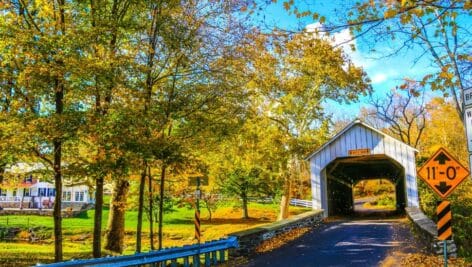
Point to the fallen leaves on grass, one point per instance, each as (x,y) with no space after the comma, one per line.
(281,239)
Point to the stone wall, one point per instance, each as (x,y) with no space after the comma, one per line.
(426,229)
(248,240)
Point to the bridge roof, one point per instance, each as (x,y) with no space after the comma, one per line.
(347,128)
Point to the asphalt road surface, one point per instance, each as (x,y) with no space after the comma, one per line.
(342,243)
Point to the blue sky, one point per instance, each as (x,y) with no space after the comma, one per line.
(385,73)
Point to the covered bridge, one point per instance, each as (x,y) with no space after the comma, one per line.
(360,152)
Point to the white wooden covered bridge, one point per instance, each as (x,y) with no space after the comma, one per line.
(360,152)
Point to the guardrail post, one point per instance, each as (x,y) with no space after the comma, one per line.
(207,259)
(214,257)
(222,255)
(186,263)
(196,260)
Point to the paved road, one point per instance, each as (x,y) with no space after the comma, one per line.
(341,243)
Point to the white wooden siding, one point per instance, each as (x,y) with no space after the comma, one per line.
(359,135)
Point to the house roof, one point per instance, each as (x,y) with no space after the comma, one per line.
(347,128)
(24,167)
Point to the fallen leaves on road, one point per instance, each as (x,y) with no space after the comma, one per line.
(419,260)
(281,239)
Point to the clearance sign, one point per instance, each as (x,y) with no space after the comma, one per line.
(443,173)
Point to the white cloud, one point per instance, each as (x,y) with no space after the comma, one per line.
(379,78)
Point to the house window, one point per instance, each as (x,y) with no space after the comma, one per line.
(42,192)
(3,192)
(26,192)
(51,192)
(14,193)
(79,196)
(66,195)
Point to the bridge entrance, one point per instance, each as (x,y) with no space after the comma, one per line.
(344,173)
(361,152)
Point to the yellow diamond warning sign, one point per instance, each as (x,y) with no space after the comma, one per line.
(443,173)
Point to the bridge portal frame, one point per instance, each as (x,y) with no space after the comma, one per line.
(361,139)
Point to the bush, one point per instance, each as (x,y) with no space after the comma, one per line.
(386,200)
(461,206)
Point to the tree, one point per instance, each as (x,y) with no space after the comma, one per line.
(246,164)
(441,119)
(40,46)
(293,75)
(106,60)
(403,112)
(438,30)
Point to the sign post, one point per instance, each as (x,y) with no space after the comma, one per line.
(444,227)
(197,211)
(197,181)
(443,173)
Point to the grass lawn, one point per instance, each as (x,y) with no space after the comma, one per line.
(178,230)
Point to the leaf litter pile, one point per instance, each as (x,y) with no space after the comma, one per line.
(282,239)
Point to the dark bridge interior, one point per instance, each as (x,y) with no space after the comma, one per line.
(343,173)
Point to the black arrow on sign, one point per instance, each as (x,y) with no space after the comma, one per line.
(442,158)
(443,187)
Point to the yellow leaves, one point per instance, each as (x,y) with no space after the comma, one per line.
(446,75)
(288,4)
(322,19)
(404,19)
(418,12)
(468,5)
(417,259)
(390,13)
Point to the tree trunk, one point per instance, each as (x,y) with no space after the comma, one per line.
(151,204)
(57,143)
(97,223)
(161,203)
(293,172)
(2,172)
(245,211)
(116,218)
(140,209)
(58,202)
(285,201)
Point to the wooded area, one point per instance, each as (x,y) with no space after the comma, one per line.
(145,94)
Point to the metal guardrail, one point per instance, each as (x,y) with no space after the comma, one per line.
(301,203)
(213,251)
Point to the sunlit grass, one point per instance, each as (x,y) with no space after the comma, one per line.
(178,230)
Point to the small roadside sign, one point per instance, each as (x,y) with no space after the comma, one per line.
(443,173)
(468,97)
(193,181)
(467,101)
(468,126)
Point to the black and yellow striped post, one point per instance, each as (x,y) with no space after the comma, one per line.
(444,220)
(197,211)
(444,225)
(197,225)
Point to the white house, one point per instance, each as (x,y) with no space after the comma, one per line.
(35,194)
